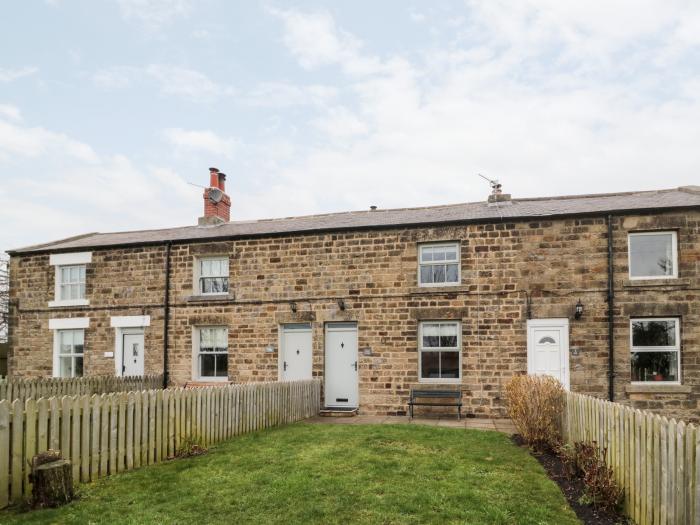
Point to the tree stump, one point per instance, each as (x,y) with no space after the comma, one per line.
(52,480)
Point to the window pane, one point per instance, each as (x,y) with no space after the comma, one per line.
(74,291)
(449,364)
(452,273)
(206,365)
(654,333)
(438,273)
(451,253)
(654,366)
(221,339)
(426,254)
(64,366)
(205,268)
(439,254)
(65,274)
(81,292)
(426,274)
(430,365)
(66,339)
(74,274)
(651,255)
(448,335)
(82,274)
(431,335)
(78,364)
(221,365)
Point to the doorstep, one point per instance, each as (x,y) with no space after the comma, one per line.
(497,425)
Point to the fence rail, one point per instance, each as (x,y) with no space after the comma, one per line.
(655,460)
(107,433)
(23,389)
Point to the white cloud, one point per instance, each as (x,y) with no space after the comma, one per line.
(282,94)
(201,140)
(67,189)
(17,140)
(154,13)
(316,41)
(171,80)
(10,112)
(10,75)
(187,83)
(548,97)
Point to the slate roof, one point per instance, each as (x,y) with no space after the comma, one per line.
(533,208)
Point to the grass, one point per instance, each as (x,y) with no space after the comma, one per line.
(311,473)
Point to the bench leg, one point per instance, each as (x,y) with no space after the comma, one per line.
(411,410)
(459,413)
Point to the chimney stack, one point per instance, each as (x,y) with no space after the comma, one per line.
(217,205)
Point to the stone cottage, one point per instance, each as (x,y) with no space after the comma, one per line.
(600,291)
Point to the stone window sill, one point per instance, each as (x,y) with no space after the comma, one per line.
(210,298)
(439,289)
(657,389)
(68,303)
(656,283)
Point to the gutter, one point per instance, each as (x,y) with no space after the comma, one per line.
(166,314)
(611,315)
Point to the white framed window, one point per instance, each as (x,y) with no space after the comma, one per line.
(211,353)
(440,351)
(653,255)
(212,276)
(438,264)
(656,347)
(71,282)
(70,278)
(69,349)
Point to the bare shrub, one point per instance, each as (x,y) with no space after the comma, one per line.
(587,461)
(190,447)
(535,404)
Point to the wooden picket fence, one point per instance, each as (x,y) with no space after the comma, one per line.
(655,460)
(23,389)
(107,433)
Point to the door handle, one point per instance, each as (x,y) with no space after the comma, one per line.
(355,365)
(285,366)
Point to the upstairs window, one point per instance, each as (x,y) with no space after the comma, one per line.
(439,347)
(653,255)
(655,345)
(213,276)
(212,353)
(70,348)
(70,277)
(438,264)
(71,282)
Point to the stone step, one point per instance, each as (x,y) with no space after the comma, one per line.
(338,412)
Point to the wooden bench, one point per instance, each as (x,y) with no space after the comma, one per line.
(439,398)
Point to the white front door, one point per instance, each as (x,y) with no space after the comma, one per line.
(295,352)
(341,381)
(132,352)
(548,348)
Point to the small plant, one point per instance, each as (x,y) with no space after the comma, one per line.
(535,404)
(587,461)
(190,447)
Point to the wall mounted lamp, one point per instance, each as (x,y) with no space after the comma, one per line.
(341,304)
(578,313)
(293,306)
(269,349)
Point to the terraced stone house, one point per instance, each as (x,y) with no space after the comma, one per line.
(600,291)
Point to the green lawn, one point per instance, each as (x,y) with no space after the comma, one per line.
(310,473)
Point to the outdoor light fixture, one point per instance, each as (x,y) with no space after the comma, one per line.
(367,351)
(269,349)
(293,306)
(341,304)
(579,310)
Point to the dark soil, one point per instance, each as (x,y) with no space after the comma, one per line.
(573,490)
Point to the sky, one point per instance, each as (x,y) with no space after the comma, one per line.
(111,110)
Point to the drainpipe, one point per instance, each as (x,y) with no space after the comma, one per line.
(166,314)
(611,316)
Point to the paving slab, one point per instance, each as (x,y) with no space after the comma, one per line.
(500,425)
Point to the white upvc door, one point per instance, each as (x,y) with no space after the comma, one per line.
(548,348)
(341,375)
(132,350)
(296,355)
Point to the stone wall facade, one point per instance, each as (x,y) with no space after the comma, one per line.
(509,271)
